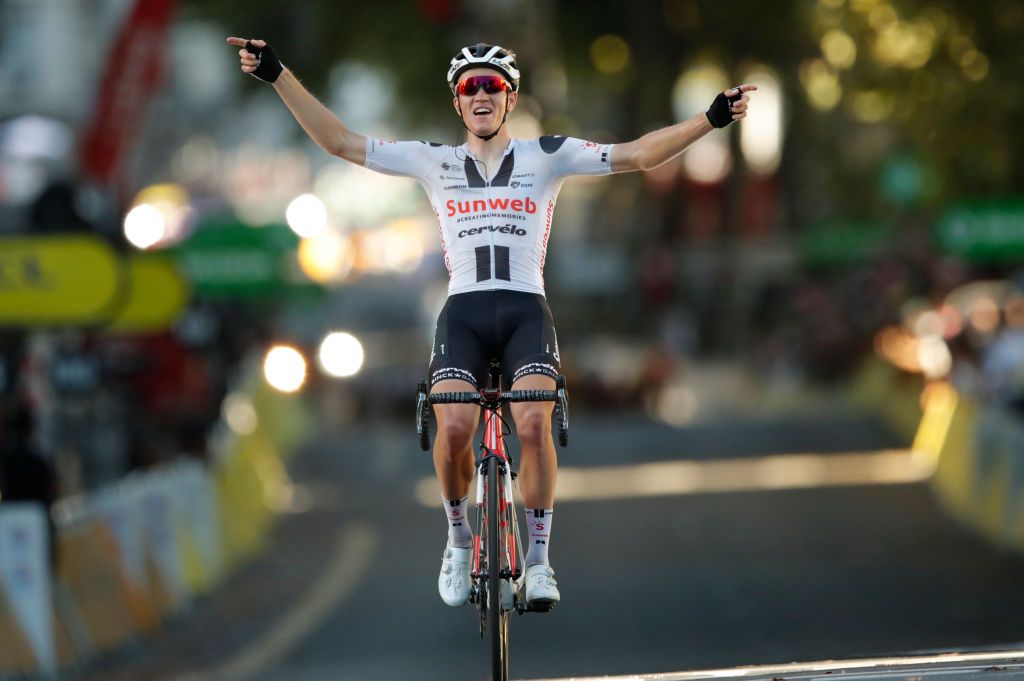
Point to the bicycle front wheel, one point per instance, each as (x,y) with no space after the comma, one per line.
(497,620)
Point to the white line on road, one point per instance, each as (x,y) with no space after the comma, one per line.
(353,555)
(763,473)
(875,668)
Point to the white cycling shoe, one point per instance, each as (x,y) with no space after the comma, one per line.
(541,587)
(454,581)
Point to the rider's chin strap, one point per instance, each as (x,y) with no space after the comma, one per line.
(496,130)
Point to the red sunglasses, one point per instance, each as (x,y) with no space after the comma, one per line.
(492,85)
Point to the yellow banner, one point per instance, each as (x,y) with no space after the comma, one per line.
(57,280)
(156,295)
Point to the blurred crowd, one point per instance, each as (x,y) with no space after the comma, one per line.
(935,317)
(80,409)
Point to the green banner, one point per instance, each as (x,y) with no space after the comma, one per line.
(228,259)
(984,231)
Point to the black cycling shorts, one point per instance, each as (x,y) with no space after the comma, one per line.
(513,327)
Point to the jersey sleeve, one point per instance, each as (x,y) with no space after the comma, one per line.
(413,159)
(573,156)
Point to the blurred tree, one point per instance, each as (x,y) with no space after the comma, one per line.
(408,39)
(893,108)
(932,80)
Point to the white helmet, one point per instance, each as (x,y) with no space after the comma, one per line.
(482,55)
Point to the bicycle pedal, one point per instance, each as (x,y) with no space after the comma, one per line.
(540,606)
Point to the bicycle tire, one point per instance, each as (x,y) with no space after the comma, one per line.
(425,430)
(563,430)
(423,415)
(562,411)
(497,621)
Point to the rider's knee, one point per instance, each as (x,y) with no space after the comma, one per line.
(533,427)
(456,434)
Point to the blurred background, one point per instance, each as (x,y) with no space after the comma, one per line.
(211,331)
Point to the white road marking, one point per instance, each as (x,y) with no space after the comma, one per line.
(782,472)
(353,555)
(875,668)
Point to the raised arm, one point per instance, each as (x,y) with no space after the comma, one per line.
(662,145)
(317,120)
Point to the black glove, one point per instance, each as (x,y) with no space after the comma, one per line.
(269,66)
(720,112)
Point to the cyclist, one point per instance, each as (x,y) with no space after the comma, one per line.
(494,197)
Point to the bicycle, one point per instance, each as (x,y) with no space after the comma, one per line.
(497,548)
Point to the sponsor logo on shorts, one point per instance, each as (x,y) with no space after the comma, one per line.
(535,368)
(450,373)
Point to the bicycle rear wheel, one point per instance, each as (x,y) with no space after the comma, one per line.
(497,620)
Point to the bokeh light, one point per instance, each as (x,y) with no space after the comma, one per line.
(284,368)
(610,54)
(839,49)
(159,216)
(341,354)
(144,226)
(934,357)
(983,315)
(974,65)
(761,135)
(327,257)
(821,84)
(708,160)
(239,413)
(676,405)
(871,106)
(306,215)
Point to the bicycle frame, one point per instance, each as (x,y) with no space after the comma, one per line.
(494,446)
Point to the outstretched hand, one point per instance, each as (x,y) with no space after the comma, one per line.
(249,60)
(738,99)
(730,105)
(258,59)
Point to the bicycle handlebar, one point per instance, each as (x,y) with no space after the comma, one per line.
(505,396)
(491,399)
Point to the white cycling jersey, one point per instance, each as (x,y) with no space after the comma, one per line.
(494,233)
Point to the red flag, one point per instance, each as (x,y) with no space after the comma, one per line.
(133,70)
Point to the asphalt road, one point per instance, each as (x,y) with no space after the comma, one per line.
(662,584)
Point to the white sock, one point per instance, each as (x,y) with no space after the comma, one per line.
(538,521)
(459,533)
